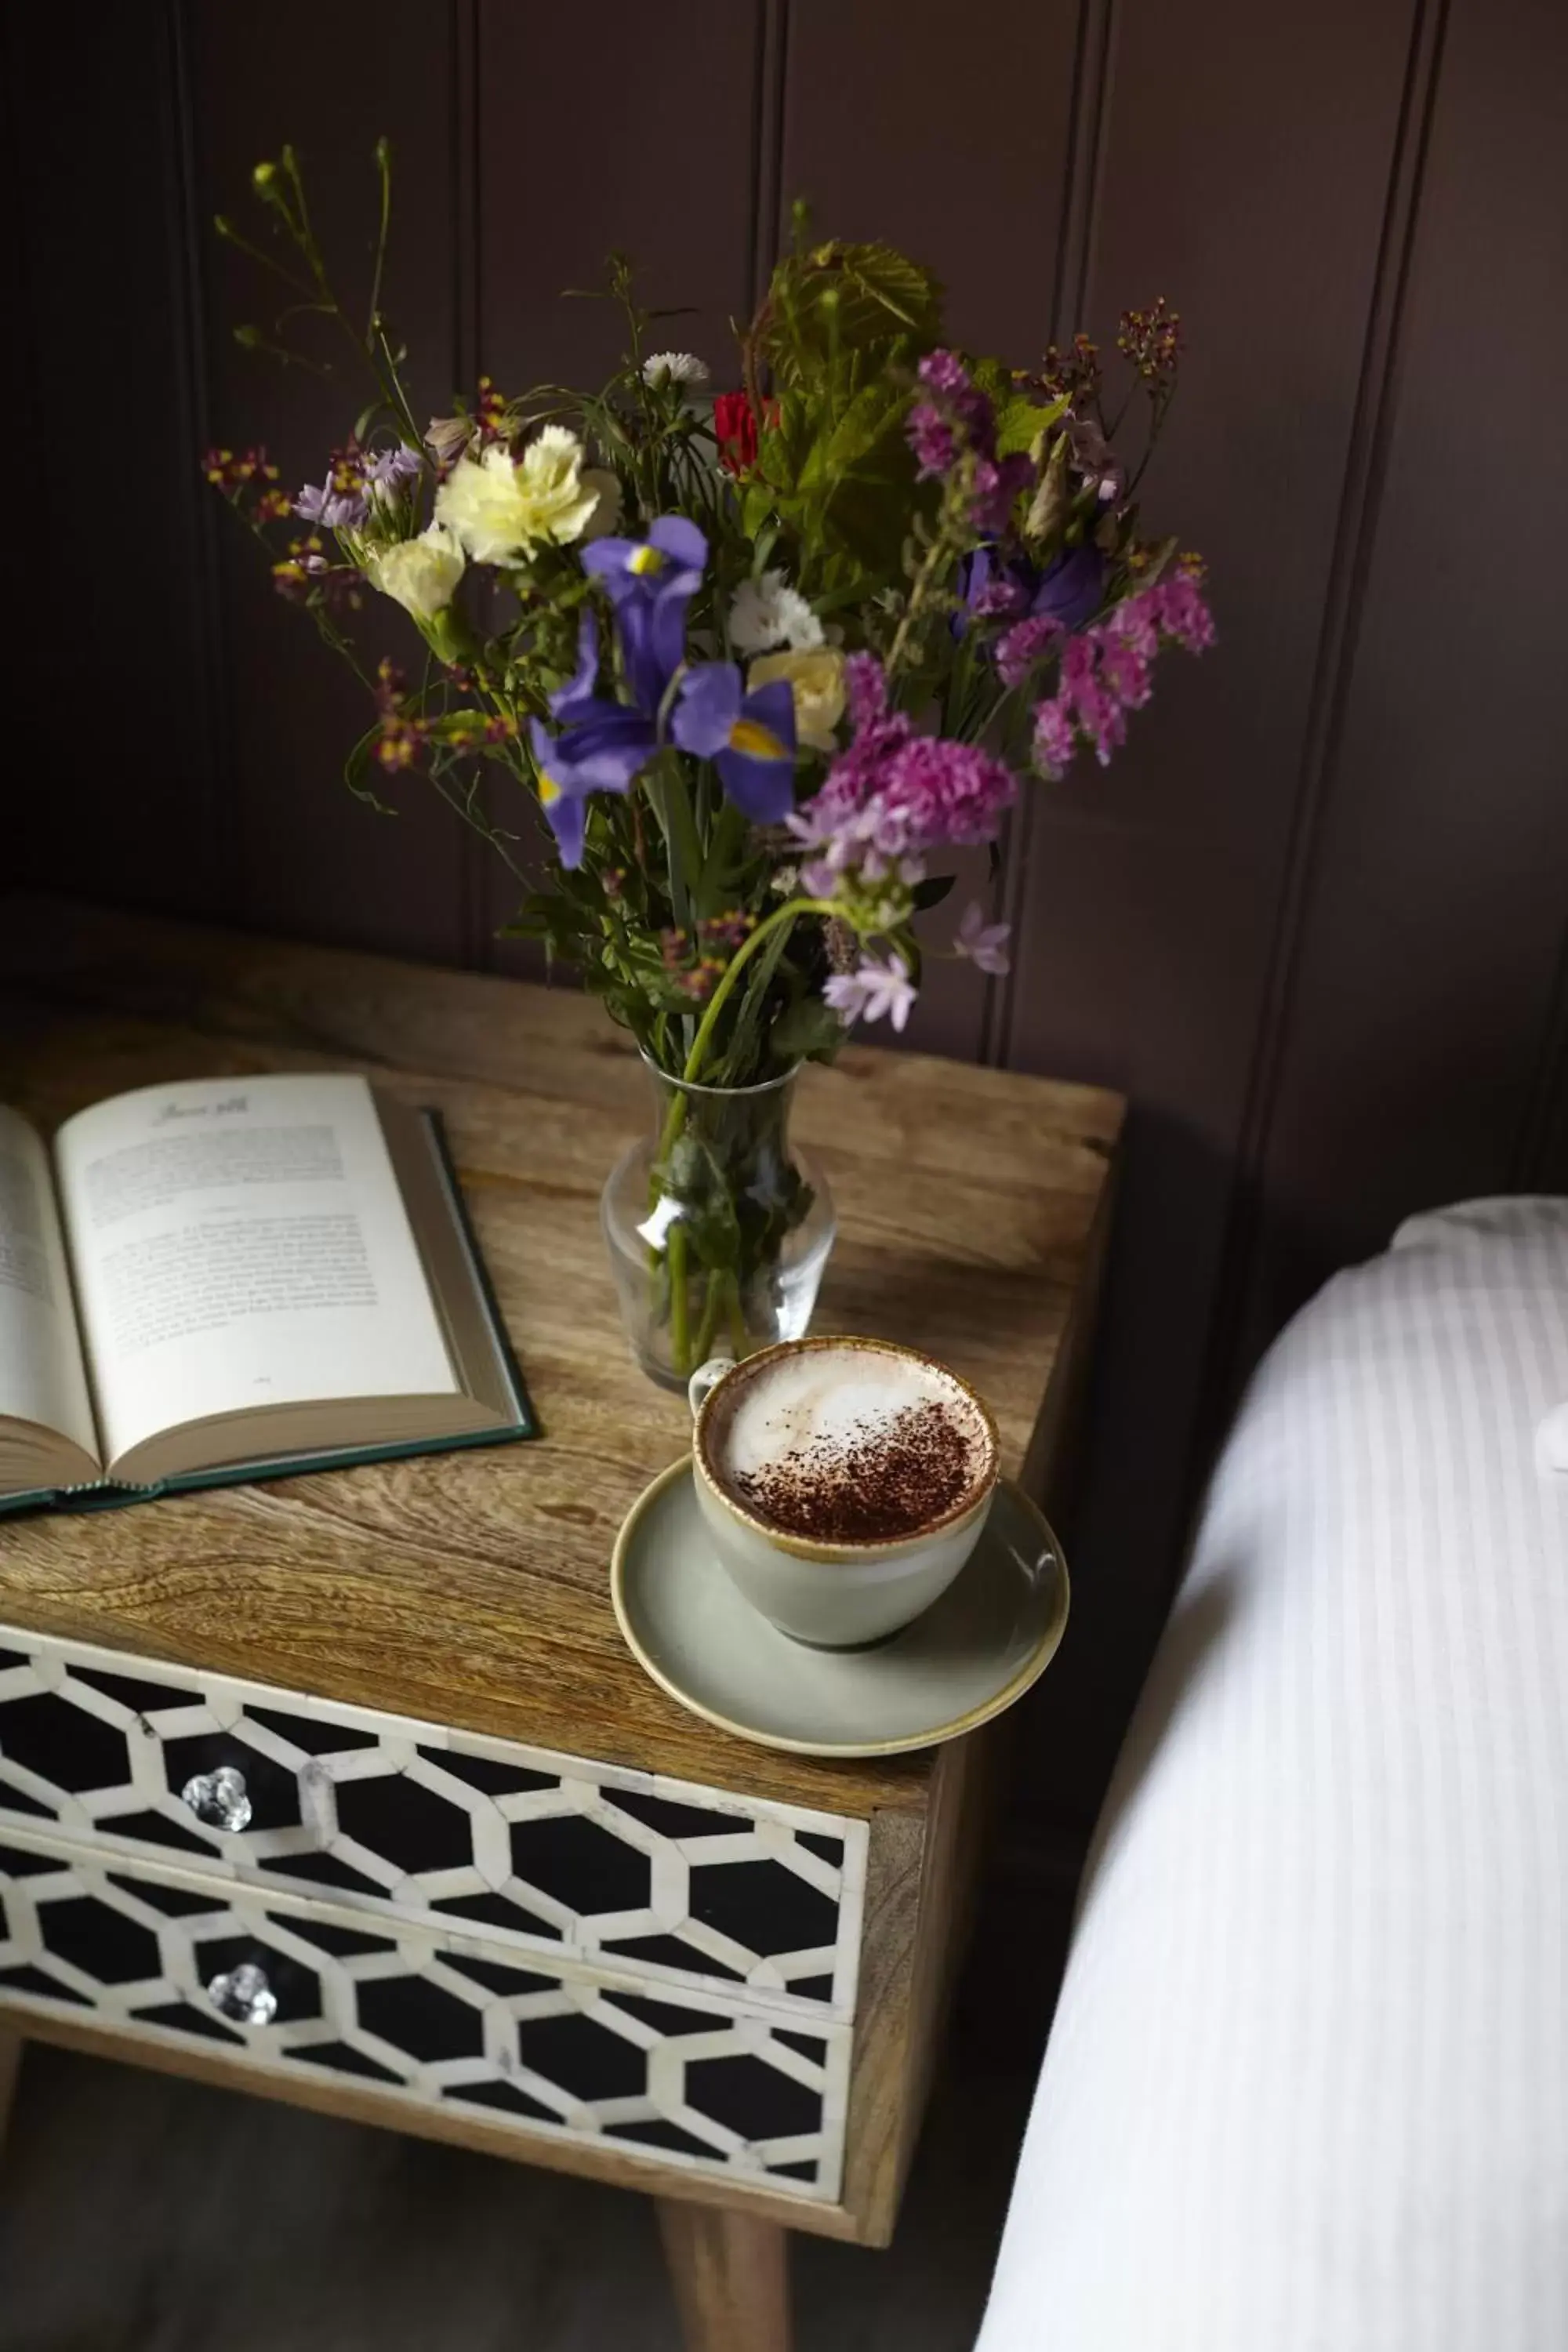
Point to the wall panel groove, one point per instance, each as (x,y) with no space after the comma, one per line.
(468,344)
(771,91)
(1370,430)
(1081,164)
(190,392)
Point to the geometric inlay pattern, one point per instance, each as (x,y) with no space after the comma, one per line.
(579,1860)
(424,2016)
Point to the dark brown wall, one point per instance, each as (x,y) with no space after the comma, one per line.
(1314,920)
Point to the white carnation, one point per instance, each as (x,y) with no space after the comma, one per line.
(675,367)
(421,574)
(768,611)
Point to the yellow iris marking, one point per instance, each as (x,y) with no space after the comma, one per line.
(760,742)
(645,558)
(548,790)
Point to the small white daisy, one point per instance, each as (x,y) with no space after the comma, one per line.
(768,611)
(675,367)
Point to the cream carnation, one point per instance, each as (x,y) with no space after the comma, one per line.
(816,681)
(421,574)
(501,508)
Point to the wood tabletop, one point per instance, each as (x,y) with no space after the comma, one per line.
(472,1589)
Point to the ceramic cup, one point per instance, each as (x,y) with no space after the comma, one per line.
(841,1596)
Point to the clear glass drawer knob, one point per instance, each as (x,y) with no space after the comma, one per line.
(244,1994)
(219,1798)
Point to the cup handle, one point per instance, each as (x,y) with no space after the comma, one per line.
(705,1378)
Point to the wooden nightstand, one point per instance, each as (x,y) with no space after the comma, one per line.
(345,1790)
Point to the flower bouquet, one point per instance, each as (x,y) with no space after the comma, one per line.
(762,659)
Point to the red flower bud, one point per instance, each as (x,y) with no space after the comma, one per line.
(735,430)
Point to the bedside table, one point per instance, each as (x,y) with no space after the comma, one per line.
(345,1790)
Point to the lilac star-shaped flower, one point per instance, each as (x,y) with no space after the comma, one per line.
(877,986)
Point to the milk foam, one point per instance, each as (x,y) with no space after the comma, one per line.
(826,1402)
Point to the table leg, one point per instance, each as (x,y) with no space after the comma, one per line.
(730,2276)
(10,2065)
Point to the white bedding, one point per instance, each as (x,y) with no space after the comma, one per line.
(1307,2090)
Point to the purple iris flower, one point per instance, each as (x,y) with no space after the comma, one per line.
(602,746)
(991,589)
(750,738)
(570,701)
(650,582)
(600,755)
(1070,587)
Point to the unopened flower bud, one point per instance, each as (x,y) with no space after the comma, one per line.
(1047,509)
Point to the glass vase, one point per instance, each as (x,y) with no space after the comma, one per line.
(717,1226)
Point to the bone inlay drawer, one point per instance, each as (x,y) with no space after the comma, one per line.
(554,1854)
(718,2083)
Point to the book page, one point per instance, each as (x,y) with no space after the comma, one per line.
(242,1242)
(41,1375)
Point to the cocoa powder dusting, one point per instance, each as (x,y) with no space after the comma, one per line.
(908,1471)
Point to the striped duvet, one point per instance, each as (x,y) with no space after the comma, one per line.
(1307,2090)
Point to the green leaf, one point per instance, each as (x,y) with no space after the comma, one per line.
(843,479)
(932,892)
(870,427)
(806,1031)
(738,1062)
(756,506)
(847,298)
(722,882)
(1020,421)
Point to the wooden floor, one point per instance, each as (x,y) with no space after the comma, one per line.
(143,2214)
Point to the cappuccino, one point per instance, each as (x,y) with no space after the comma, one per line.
(847,1444)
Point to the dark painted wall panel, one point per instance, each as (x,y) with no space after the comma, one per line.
(1439,890)
(1244,167)
(111,751)
(311,859)
(898,126)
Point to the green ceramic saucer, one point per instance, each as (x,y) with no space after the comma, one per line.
(993,1631)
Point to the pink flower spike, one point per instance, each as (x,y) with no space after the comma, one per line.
(1055,741)
(984,944)
(867,689)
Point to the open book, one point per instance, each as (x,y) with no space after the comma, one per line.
(232,1278)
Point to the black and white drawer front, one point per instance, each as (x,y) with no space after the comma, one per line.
(559,1855)
(289,1986)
